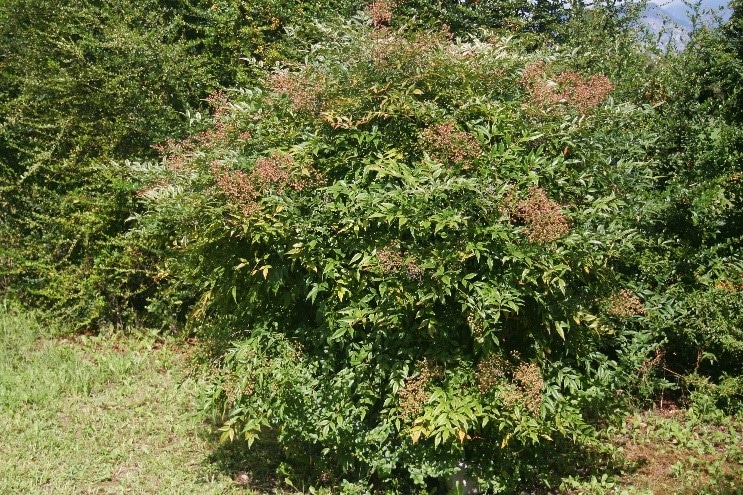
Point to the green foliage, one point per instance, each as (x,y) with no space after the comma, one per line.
(84,83)
(536,23)
(87,83)
(692,260)
(408,251)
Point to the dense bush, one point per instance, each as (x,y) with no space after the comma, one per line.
(411,251)
(694,229)
(84,84)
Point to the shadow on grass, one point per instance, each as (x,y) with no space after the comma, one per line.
(267,466)
(621,461)
(579,469)
(257,466)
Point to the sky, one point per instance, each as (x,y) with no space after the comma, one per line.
(669,19)
(681,9)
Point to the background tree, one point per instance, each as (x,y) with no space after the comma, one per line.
(85,84)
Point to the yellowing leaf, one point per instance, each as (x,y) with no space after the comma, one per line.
(415,435)
(504,443)
(227,434)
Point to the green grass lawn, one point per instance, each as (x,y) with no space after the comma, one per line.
(100,415)
(116,414)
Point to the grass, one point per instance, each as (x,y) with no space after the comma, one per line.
(676,452)
(669,451)
(100,415)
(114,414)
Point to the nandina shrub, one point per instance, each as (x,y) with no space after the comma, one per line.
(403,260)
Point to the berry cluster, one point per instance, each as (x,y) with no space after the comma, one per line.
(446,144)
(523,389)
(567,88)
(302,90)
(543,218)
(238,187)
(275,173)
(625,304)
(490,372)
(380,12)
(413,394)
(391,260)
